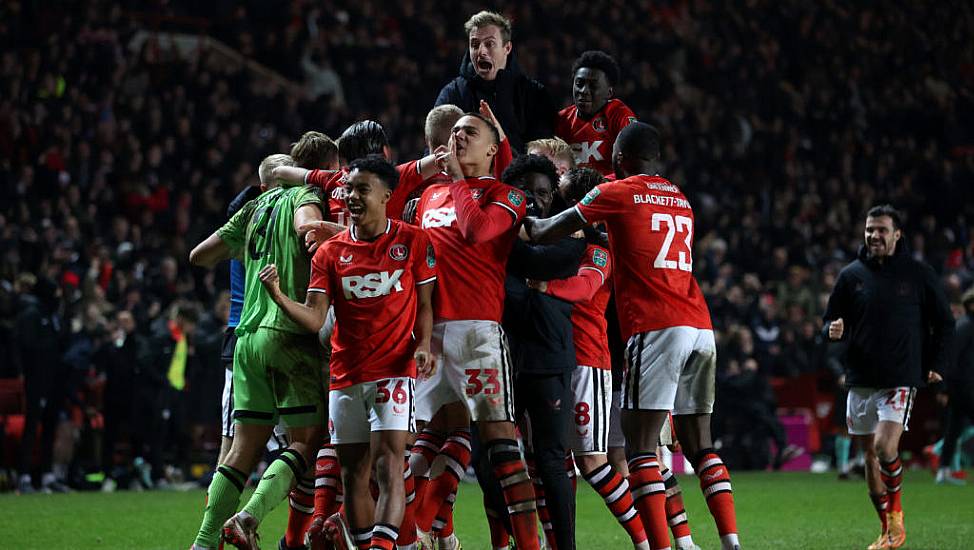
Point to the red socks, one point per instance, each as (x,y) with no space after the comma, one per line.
(614,490)
(302,507)
(649,495)
(716,486)
(383,537)
(892,475)
(427,446)
(676,514)
(407,528)
(328,482)
(499,537)
(448,468)
(508,469)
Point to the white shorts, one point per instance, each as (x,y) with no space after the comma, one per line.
(616,437)
(672,369)
(473,365)
(278,440)
(591,410)
(867,407)
(357,411)
(666,432)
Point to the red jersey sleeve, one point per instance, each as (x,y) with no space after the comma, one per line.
(319,178)
(320,271)
(602,203)
(593,272)
(424,265)
(503,158)
(409,181)
(620,117)
(481,224)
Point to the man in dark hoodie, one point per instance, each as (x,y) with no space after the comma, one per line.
(892,311)
(489,72)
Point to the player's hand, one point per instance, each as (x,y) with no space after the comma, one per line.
(836,329)
(425,362)
(409,212)
(448,162)
(933,377)
(487,113)
(317,232)
(540,286)
(269,278)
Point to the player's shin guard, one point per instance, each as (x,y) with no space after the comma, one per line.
(881,504)
(222,499)
(301,507)
(446,472)
(509,470)
(715,483)
(539,500)
(892,475)
(649,495)
(500,539)
(676,514)
(276,483)
(614,490)
(427,446)
(327,481)
(407,528)
(384,537)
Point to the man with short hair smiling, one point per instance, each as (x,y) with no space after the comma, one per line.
(490,72)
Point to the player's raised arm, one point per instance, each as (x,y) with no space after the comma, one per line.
(548,230)
(210,252)
(310,315)
(290,174)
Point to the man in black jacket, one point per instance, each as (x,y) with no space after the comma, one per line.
(959,377)
(489,72)
(892,311)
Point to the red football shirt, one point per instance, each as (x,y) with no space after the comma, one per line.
(589,326)
(372,285)
(333,184)
(650,224)
(592,138)
(472,282)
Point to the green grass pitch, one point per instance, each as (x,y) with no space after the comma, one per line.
(780,511)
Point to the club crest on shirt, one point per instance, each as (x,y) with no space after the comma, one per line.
(430,256)
(599,124)
(345,259)
(591,196)
(599,258)
(515,198)
(477,193)
(398,252)
(631,120)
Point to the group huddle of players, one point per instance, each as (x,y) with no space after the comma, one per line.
(408,297)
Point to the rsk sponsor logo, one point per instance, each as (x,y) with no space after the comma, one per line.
(586,152)
(439,217)
(372,285)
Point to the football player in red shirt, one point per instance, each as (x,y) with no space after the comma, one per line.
(671,352)
(590,125)
(378,274)
(472,222)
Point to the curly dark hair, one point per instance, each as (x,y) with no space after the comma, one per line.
(529,164)
(378,165)
(597,59)
(581,181)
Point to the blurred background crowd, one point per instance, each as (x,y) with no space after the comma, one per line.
(119,150)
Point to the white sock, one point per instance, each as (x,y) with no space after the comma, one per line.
(729,541)
(685,543)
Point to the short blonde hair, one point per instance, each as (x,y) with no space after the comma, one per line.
(486,18)
(553,148)
(314,151)
(270,163)
(439,124)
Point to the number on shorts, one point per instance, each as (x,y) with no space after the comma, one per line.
(475,385)
(897,398)
(382,394)
(681,224)
(399,395)
(582,418)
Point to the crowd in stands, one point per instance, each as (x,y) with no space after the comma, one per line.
(115,160)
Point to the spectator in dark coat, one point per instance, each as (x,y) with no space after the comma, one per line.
(489,72)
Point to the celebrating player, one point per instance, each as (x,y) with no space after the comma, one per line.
(277,368)
(671,349)
(472,222)
(892,311)
(379,275)
(595,119)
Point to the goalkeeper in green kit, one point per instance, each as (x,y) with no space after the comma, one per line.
(278,366)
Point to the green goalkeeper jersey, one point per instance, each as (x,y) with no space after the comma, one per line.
(260,234)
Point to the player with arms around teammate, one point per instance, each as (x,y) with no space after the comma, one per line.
(892,312)
(277,367)
(671,351)
(378,274)
(472,222)
(592,123)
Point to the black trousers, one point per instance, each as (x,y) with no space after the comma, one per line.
(960,411)
(45,396)
(546,399)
